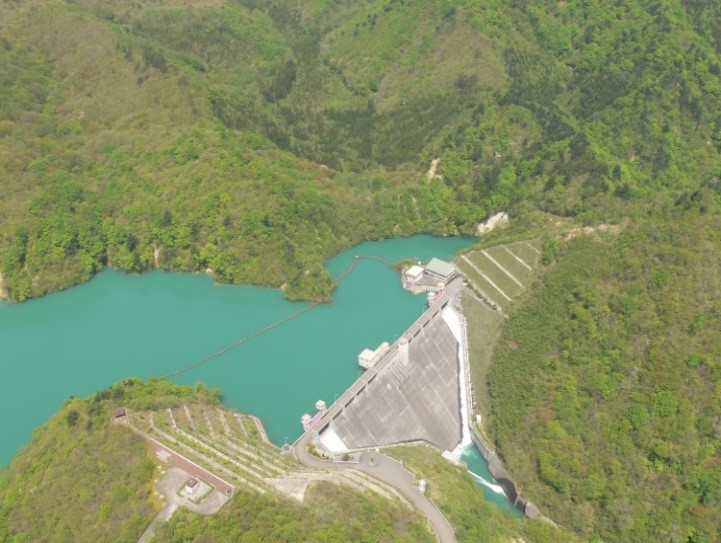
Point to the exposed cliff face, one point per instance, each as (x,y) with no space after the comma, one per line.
(499,219)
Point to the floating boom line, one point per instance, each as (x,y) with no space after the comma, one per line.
(271,326)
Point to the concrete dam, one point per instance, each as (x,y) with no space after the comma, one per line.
(412,394)
(418,389)
(415,397)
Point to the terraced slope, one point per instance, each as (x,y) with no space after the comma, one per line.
(500,273)
(230,445)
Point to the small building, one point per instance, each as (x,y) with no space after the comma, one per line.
(368,359)
(414,273)
(440,269)
(365,359)
(119,413)
(191,487)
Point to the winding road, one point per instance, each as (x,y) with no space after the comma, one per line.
(389,471)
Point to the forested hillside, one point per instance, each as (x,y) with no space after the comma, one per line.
(255,139)
(606,385)
(82,479)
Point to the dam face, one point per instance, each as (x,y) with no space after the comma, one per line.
(413,397)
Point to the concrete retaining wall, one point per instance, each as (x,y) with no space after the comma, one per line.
(504,479)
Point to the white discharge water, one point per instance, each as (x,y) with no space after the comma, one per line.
(457,324)
(454,322)
(498,489)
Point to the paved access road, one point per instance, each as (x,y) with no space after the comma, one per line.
(391,472)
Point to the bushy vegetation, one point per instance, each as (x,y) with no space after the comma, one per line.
(81,479)
(255,139)
(329,514)
(138,136)
(474,520)
(605,385)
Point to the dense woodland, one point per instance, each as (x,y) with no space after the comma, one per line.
(81,479)
(606,385)
(254,139)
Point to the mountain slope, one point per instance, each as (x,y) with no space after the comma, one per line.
(605,385)
(258,138)
(83,479)
(116,152)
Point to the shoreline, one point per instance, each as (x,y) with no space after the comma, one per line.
(4,295)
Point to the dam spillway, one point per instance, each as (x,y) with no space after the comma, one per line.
(413,398)
(410,395)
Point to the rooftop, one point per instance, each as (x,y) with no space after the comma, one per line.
(367,354)
(414,271)
(440,267)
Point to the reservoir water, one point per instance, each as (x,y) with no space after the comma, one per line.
(117,325)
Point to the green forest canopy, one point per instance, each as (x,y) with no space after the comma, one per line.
(82,479)
(255,139)
(606,384)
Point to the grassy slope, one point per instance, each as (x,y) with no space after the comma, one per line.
(484,329)
(605,386)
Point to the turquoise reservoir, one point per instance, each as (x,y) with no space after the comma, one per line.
(118,325)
